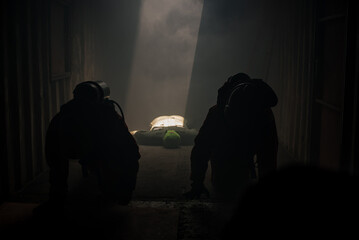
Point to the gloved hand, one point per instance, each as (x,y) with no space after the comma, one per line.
(197,190)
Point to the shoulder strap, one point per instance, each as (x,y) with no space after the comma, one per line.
(119,107)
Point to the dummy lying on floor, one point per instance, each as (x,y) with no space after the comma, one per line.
(168,131)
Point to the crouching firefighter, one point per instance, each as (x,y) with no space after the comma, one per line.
(89,128)
(239,127)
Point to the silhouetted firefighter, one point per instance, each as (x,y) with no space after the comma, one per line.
(89,128)
(239,127)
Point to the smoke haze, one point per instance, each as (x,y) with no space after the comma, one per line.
(163,60)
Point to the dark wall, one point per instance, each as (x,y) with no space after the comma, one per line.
(355,145)
(24,84)
(234,36)
(334,90)
(31,92)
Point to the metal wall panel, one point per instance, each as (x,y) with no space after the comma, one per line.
(292,76)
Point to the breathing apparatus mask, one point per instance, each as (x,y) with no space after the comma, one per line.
(243,100)
(240,108)
(225,91)
(94,93)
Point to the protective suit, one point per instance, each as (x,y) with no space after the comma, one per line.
(239,127)
(89,128)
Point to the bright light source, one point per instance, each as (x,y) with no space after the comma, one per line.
(163,59)
(167,121)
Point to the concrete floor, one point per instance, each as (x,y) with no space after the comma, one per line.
(164,173)
(157,211)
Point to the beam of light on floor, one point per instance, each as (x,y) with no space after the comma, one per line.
(163,60)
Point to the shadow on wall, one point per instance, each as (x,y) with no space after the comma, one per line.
(116,25)
(234,36)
